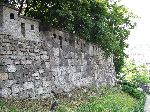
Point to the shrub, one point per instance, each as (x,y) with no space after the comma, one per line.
(134,92)
(134,74)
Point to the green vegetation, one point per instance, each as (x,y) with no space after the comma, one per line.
(83,100)
(133,77)
(135,74)
(26,105)
(105,100)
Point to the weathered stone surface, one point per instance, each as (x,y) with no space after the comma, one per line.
(9,83)
(3,76)
(6,92)
(40,90)
(47,83)
(44,57)
(48,65)
(11,68)
(56,51)
(34,64)
(28,85)
(16,88)
(36,74)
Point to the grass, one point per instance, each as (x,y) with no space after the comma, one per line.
(113,102)
(103,100)
(81,100)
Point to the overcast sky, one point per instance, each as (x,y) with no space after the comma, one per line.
(141,34)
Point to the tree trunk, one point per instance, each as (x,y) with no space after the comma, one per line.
(21,7)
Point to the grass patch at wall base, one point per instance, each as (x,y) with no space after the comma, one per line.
(103,99)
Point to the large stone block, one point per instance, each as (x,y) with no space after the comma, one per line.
(3,76)
(8,83)
(11,68)
(6,92)
(47,83)
(44,57)
(56,51)
(16,88)
(40,90)
(28,85)
(47,65)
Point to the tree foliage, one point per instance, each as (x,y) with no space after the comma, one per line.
(102,22)
(135,74)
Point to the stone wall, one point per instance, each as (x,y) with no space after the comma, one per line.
(39,62)
(34,69)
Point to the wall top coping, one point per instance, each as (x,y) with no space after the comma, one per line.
(29,18)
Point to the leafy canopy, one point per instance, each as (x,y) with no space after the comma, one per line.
(135,74)
(102,22)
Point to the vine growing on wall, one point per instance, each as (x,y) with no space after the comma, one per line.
(102,22)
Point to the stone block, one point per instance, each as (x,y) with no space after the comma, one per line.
(3,52)
(8,62)
(3,76)
(9,52)
(41,71)
(16,88)
(44,57)
(47,83)
(28,85)
(36,74)
(48,65)
(82,55)
(83,68)
(38,83)
(77,61)
(72,69)
(43,52)
(17,63)
(74,76)
(36,50)
(71,62)
(84,62)
(11,68)
(56,61)
(56,51)
(37,58)
(9,83)
(40,90)
(23,95)
(6,92)
(78,68)
(26,62)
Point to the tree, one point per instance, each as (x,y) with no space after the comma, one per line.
(135,74)
(98,21)
(21,6)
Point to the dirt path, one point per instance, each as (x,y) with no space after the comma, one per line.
(147,104)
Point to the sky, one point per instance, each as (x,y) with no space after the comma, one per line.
(141,34)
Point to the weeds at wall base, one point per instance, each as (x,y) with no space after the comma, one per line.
(83,100)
